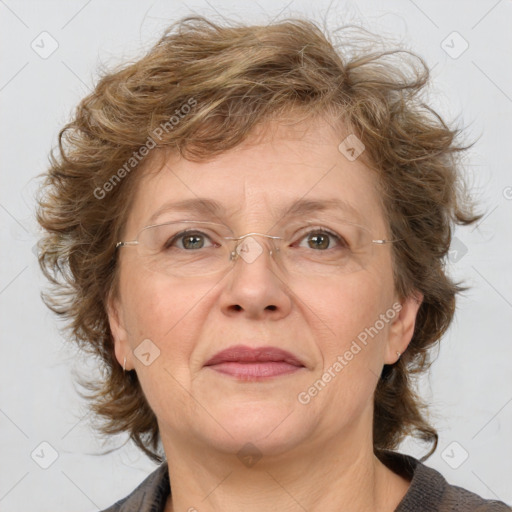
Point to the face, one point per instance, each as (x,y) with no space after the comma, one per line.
(340,327)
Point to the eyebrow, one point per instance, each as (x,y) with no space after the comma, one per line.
(206,207)
(308,206)
(199,206)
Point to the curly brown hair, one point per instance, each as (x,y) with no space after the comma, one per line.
(233,78)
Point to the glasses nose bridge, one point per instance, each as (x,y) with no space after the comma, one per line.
(249,249)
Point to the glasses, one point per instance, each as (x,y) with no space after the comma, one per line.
(190,249)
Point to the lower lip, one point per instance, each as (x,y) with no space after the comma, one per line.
(255,371)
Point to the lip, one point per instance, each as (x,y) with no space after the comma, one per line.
(245,354)
(259,363)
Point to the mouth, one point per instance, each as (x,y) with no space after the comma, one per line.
(254,364)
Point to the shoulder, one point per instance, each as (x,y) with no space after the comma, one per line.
(462,499)
(150,496)
(430,492)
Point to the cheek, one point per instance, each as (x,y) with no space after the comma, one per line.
(350,338)
(150,302)
(341,311)
(350,351)
(159,309)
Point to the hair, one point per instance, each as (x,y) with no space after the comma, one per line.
(203,89)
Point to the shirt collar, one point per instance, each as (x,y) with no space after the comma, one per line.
(150,496)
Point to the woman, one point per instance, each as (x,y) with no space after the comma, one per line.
(249,228)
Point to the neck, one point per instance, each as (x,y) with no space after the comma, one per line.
(312,478)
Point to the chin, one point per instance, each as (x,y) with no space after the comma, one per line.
(270,427)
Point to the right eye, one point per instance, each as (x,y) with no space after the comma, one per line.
(187,240)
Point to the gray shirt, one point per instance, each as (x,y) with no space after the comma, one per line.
(428,492)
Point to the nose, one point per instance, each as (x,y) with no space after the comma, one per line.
(255,287)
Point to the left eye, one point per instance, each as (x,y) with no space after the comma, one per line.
(322,239)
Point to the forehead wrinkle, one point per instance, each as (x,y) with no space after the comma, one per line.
(206,207)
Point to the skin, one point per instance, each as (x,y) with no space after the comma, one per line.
(313,457)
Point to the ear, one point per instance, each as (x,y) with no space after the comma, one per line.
(119,332)
(402,327)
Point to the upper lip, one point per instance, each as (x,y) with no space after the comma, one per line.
(245,354)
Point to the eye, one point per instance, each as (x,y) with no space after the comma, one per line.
(322,239)
(188,240)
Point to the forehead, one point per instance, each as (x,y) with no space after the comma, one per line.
(293,170)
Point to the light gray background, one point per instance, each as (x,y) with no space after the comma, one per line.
(470,385)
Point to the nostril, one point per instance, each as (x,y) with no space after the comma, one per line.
(272,307)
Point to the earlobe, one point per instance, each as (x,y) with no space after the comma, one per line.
(402,328)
